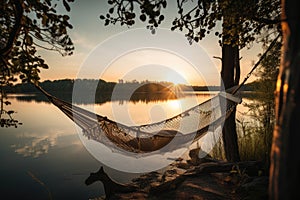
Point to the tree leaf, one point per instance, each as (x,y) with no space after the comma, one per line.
(161,18)
(143,17)
(66,6)
(18,43)
(38,35)
(44,20)
(10,112)
(48,2)
(7,103)
(164,4)
(29,40)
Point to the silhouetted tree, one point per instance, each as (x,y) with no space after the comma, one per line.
(24,26)
(242,22)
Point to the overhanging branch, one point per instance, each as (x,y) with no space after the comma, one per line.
(16,28)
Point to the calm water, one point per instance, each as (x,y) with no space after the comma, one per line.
(44,158)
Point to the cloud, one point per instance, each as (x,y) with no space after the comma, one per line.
(81,42)
(36,145)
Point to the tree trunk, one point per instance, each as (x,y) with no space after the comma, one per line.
(230,77)
(285,161)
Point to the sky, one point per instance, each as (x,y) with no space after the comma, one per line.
(117,52)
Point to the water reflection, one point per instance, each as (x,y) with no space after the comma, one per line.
(104,98)
(43,136)
(35,145)
(47,146)
(43,128)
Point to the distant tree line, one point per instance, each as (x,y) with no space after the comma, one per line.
(145,91)
(103,87)
(63,86)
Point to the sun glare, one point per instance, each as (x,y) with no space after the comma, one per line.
(174,104)
(176,89)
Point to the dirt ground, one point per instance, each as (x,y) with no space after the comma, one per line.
(204,179)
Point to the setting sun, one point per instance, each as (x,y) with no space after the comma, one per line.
(174,104)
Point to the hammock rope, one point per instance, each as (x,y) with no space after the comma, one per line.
(184,128)
(257,63)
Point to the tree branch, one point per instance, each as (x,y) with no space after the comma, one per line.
(15,30)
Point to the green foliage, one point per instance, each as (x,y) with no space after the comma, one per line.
(126,15)
(6,116)
(242,20)
(25,26)
(257,132)
(268,71)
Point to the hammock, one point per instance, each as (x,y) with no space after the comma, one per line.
(150,137)
(164,136)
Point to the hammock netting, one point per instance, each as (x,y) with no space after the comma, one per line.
(164,136)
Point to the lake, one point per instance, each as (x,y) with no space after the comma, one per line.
(44,158)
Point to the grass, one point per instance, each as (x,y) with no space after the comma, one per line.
(254,139)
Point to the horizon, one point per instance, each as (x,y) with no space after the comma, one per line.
(120,82)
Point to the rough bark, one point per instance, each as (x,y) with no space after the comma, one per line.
(230,77)
(285,161)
